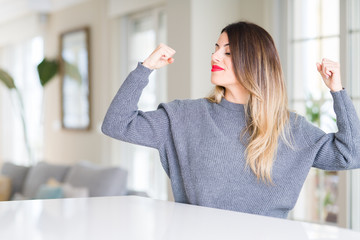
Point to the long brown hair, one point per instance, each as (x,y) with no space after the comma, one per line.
(257,67)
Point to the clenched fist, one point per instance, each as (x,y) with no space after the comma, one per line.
(330,73)
(160,57)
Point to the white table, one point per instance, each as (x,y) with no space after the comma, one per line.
(132,217)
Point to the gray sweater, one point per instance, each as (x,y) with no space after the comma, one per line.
(201,151)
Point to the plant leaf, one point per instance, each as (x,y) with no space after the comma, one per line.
(73,72)
(47,69)
(7,79)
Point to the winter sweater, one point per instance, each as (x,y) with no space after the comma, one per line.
(202,153)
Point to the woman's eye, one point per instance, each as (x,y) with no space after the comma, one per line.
(227,53)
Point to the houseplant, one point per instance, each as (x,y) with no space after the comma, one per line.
(47,69)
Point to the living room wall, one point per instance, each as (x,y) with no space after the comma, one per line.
(201,22)
(68,146)
(193,27)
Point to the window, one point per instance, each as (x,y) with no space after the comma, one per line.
(315,33)
(20,61)
(353,52)
(145,31)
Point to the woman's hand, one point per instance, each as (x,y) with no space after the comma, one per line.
(160,57)
(330,73)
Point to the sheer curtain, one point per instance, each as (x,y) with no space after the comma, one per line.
(20,61)
(315,33)
(145,31)
(353,52)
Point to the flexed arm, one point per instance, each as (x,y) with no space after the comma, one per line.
(340,150)
(124,121)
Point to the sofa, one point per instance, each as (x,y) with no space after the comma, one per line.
(46,181)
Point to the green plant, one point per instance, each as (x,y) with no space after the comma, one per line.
(73,72)
(10,83)
(47,69)
(314,113)
(7,79)
(313,110)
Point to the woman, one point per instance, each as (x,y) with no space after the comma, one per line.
(239,149)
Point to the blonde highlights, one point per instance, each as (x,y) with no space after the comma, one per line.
(257,67)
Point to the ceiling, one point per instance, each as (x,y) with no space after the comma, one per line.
(12,9)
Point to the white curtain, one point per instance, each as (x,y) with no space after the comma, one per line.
(20,61)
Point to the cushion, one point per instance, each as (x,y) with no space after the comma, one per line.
(53,182)
(101,181)
(18,197)
(49,192)
(40,174)
(5,188)
(17,175)
(137,193)
(69,190)
(73,192)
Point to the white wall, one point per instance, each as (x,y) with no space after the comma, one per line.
(20,29)
(193,28)
(66,146)
(206,26)
(179,38)
(122,7)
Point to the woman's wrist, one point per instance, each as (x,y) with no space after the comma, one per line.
(145,64)
(337,89)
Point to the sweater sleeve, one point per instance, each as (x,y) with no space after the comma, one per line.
(125,122)
(340,150)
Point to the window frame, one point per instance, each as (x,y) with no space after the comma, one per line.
(121,151)
(25,74)
(353,176)
(349,187)
(287,26)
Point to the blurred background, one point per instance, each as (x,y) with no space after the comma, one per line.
(123,32)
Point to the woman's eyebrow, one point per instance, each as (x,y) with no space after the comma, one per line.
(217,45)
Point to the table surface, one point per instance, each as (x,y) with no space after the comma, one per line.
(131,217)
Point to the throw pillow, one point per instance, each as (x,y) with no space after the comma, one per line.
(101,181)
(18,197)
(49,192)
(5,188)
(40,174)
(73,192)
(53,182)
(69,190)
(17,175)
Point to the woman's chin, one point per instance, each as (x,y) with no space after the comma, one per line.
(215,81)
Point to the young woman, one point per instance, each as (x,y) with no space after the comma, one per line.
(239,149)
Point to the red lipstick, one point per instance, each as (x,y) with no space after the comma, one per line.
(216,68)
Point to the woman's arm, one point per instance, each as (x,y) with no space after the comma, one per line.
(340,150)
(124,121)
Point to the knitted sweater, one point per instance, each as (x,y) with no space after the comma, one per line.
(202,153)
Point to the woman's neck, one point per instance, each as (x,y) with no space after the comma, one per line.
(237,94)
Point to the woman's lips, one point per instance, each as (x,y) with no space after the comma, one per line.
(216,68)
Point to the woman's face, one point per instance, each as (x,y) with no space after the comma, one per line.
(222,73)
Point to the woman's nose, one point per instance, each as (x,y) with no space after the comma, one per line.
(216,56)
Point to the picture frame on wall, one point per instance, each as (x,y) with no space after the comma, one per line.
(75,79)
